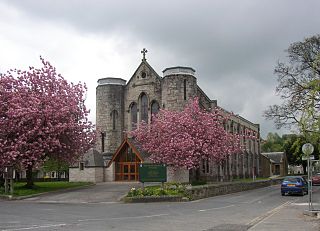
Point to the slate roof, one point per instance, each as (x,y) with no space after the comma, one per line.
(135,147)
(275,157)
(144,155)
(92,158)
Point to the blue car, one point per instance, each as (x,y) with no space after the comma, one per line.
(294,185)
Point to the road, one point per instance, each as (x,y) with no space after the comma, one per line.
(260,209)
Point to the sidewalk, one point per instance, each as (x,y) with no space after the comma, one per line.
(107,192)
(290,217)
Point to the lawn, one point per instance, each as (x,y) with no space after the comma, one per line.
(41,187)
(250,179)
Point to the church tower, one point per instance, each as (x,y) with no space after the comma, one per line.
(179,84)
(109,116)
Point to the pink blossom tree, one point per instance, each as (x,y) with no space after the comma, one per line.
(183,139)
(42,116)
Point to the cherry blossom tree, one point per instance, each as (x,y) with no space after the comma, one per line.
(183,138)
(42,116)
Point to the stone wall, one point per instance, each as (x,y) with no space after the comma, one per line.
(109,173)
(92,174)
(204,191)
(179,175)
(173,91)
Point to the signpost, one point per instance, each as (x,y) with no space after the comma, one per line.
(149,172)
(308,149)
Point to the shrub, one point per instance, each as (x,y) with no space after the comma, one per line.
(169,189)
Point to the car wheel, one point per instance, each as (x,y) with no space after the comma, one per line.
(282,194)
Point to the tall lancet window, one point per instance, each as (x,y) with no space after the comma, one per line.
(144,108)
(114,117)
(154,108)
(185,89)
(134,120)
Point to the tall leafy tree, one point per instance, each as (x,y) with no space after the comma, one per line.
(55,165)
(293,148)
(299,87)
(42,116)
(183,138)
(273,143)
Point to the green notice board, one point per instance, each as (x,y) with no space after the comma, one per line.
(149,172)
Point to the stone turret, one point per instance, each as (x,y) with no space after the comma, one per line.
(109,115)
(178,85)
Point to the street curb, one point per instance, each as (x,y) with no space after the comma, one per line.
(147,199)
(312,213)
(10,197)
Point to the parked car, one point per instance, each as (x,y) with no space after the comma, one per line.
(294,185)
(316,179)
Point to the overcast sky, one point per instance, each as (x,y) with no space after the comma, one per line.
(233,45)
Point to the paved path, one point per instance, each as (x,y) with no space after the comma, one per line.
(261,209)
(108,192)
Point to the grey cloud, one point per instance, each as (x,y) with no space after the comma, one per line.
(233,45)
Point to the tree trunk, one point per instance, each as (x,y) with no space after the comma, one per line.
(198,174)
(304,165)
(29,177)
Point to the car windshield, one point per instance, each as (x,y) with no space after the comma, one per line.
(292,179)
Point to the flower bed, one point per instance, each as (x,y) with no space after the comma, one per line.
(157,193)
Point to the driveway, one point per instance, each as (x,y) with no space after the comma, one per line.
(107,192)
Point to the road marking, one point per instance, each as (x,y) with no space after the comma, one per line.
(119,218)
(217,208)
(139,217)
(304,204)
(35,227)
(258,220)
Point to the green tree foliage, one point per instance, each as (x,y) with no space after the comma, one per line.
(299,88)
(291,144)
(273,143)
(56,165)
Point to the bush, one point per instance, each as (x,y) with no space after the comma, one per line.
(198,182)
(169,189)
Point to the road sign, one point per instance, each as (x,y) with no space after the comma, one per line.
(306,157)
(307,149)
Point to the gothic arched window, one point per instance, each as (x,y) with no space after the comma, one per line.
(144,108)
(134,120)
(154,108)
(114,117)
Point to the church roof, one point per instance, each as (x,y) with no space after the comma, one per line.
(144,62)
(92,158)
(275,157)
(135,148)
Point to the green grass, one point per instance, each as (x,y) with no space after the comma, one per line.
(250,179)
(41,187)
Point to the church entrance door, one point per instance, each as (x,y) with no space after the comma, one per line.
(127,171)
(127,165)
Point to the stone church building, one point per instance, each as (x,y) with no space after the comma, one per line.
(120,104)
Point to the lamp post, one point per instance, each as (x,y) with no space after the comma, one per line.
(308,149)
